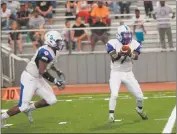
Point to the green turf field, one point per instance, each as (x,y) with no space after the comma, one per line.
(89,113)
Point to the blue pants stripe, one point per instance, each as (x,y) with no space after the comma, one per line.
(21,95)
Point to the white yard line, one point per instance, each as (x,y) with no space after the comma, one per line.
(3,110)
(61,123)
(8,125)
(118,120)
(161,119)
(171,121)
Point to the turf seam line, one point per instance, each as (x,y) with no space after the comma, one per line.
(171,121)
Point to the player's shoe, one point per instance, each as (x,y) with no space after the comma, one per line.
(110,120)
(29,116)
(141,113)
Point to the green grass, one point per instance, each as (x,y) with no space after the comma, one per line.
(90,115)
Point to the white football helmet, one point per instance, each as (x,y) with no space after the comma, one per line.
(124,34)
(54,40)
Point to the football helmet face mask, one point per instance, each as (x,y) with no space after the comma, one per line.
(124,34)
(54,40)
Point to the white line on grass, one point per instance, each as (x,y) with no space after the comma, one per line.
(107,99)
(62,123)
(3,110)
(8,125)
(118,120)
(171,121)
(162,119)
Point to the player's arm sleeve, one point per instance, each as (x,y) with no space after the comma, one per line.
(112,52)
(45,58)
(134,55)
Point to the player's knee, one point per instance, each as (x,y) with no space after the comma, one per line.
(52,101)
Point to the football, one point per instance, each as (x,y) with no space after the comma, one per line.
(125,48)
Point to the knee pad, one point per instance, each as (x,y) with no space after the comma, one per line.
(52,101)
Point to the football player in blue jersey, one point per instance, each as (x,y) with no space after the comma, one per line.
(33,78)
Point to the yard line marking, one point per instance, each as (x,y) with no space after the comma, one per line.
(145,98)
(118,120)
(171,121)
(62,123)
(3,110)
(85,97)
(8,125)
(68,100)
(161,119)
(163,97)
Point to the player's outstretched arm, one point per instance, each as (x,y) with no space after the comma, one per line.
(46,75)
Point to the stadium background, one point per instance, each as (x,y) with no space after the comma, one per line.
(89,67)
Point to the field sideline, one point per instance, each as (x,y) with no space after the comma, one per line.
(88,112)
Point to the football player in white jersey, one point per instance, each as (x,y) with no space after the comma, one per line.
(33,78)
(121,69)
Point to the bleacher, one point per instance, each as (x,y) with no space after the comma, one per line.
(151,38)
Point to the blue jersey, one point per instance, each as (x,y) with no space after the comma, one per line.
(45,54)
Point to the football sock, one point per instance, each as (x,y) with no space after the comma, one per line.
(139,103)
(4,116)
(111,113)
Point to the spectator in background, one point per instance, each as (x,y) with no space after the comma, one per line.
(6,16)
(45,9)
(83,10)
(112,4)
(138,28)
(15,36)
(70,4)
(124,6)
(162,14)
(148,6)
(79,35)
(14,6)
(23,16)
(101,11)
(98,34)
(67,37)
(54,5)
(32,4)
(36,22)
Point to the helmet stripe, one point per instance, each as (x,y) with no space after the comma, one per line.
(126,27)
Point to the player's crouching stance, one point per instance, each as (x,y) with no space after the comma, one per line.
(121,69)
(32,78)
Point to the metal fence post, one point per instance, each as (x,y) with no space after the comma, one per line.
(15,43)
(69,42)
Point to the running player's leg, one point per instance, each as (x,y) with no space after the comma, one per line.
(134,87)
(28,85)
(114,83)
(45,91)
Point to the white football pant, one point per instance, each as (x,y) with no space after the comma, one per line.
(31,85)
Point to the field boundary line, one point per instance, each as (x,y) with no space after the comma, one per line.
(171,121)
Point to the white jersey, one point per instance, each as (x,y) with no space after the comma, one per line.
(127,65)
(45,54)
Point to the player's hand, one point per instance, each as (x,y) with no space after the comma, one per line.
(60,84)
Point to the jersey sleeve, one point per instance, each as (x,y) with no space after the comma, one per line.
(110,46)
(137,46)
(44,55)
